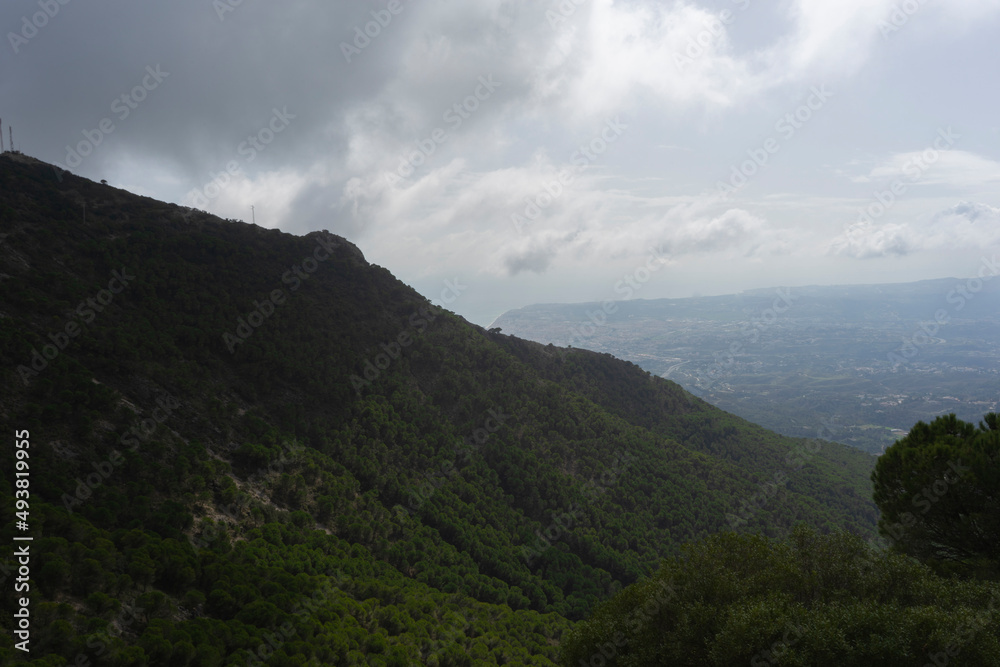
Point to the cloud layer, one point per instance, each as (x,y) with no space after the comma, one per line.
(552,141)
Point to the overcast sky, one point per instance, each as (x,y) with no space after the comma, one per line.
(538,151)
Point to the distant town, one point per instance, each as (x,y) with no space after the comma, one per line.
(862,363)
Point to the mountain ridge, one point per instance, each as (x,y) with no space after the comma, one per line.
(589,473)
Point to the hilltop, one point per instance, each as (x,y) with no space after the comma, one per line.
(245,442)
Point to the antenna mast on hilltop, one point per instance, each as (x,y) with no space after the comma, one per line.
(253,214)
(1,137)
(10,129)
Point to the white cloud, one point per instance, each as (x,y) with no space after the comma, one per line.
(840,37)
(867,241)
(955,168)
(613,55)
(507,221)
(617,55)
(965,226)
(829,37)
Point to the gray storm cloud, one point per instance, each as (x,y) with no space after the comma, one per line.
(394,141)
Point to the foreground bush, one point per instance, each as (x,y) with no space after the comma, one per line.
(813,600)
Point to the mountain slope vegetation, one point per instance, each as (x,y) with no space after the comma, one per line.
(933,596)
(248,446)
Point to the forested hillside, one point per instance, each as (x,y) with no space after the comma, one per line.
(932,598)
(247,446)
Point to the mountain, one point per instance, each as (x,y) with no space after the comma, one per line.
(242,445)
(867,361)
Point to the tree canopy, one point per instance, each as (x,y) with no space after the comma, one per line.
(811,600)
(938,490)
(834,599)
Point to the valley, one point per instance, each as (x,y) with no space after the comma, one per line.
(860,363)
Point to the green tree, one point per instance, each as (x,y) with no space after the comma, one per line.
(736,599)
(939,493)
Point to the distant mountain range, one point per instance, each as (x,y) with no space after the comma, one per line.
(868,360)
